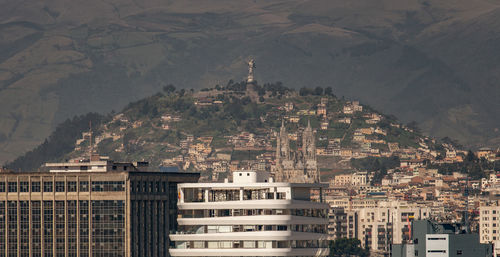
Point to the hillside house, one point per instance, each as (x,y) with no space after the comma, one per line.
(346,120)
(294,119)
(324,125)
(348,109)
(321,110)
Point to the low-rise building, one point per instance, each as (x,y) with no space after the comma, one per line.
(432,239)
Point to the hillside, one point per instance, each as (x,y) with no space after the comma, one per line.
(236,124)
(431,61)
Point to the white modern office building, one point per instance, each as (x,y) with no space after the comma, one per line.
(251,216)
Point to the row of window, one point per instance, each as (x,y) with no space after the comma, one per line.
(149,186)
(250,244)
(198,195)
(317,213)
(203,229)
(55,223)
(61,186)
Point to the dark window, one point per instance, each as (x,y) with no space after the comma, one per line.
(415,241)
(35,186)
(416,252)
(2,186)
(84,167)
(84,186)
(59,186)
(47,186)
(138,186)
(12,187)
(71,186)
(108,186)
(97,186)
(281,228)
(24,186)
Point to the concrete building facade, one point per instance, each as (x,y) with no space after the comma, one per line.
(431,239)
(110,212)
(489,224)
(251,216)
(376,223)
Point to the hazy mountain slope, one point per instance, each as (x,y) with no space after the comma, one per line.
(430,61)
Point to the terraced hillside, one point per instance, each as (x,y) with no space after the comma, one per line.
(237,122)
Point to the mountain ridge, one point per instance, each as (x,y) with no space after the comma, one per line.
(420,60)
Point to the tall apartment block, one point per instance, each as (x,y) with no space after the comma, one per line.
(251,216)
(342,223)
(376,223)
(88,208)
(489,224)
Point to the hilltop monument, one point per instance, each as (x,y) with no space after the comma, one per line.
(251,67)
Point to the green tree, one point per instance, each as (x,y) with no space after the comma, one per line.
(347,247)
(413,125)
(60,142)
(318,91)
(128,138)
(169,88)
(305,91)
(471,157)
(329,91)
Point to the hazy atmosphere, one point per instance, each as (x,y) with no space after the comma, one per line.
(208,128)
(433,62)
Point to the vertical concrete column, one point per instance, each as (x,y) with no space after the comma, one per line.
(54,248)
(77,215)
(128,224)
(42,217)
(30,226)
(18,219)
(90,215)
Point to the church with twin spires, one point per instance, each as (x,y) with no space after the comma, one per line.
(296,166)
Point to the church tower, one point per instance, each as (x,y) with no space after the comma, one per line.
(308,143)
(296,166)
(309,154)
(282,144)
